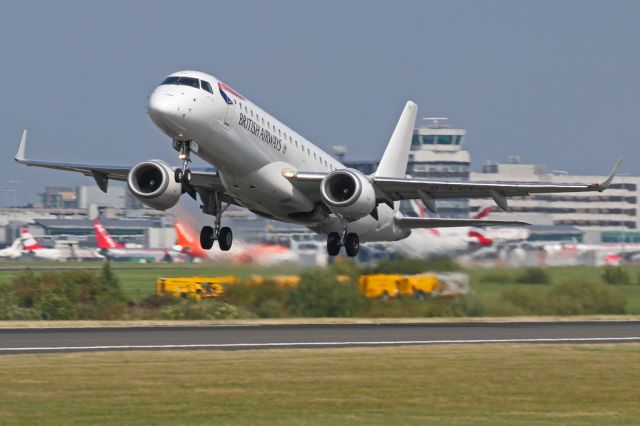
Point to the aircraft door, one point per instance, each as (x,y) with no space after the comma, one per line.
(230,113)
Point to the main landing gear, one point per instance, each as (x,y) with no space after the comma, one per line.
(208,234)
(349,240)
(183,175)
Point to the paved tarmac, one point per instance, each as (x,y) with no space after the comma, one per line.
(228,337)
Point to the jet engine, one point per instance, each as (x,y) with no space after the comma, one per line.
(152,183)
(349,193)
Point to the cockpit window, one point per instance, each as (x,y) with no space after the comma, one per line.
(206,86)
(182,81)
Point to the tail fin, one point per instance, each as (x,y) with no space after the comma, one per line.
(28,242)
(395,157)
(189,241)
(103,238)
(483,213)
(482,240)
(184,237)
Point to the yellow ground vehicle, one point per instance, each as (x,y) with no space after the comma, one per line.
(418,286)
(280,280)
(382,286)
(191,287)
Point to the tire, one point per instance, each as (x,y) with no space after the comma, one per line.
(186,178)
(419,294)
(206,237)
(333,244)
(177,176)
(352,244)
(225,238)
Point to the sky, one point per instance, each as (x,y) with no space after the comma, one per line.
(555,82)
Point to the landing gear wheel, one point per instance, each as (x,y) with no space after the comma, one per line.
(186,176)
(352,244)
(225,238)
(333,243)
(206,237)
(177,175)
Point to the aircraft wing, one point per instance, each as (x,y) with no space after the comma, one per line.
(389,189)
(418,222)
(201,179)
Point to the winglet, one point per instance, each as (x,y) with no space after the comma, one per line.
(23,145)
(605,184)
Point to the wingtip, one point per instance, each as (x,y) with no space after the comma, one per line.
(605,184)
(21,149)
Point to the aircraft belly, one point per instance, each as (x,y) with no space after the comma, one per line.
(266,190)
(368,228)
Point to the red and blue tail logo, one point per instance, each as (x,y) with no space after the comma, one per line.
(223,88)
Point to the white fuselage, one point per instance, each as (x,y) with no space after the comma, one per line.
(251,150)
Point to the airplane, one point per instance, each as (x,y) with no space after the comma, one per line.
(246,252)
(113,250)
(14,251)
(438,242)
(187,243)
(32,247)
(268,168)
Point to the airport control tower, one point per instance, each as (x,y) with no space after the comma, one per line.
(437,153)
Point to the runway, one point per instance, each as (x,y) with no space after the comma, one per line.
(232,337)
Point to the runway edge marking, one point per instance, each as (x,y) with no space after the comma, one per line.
(315,344)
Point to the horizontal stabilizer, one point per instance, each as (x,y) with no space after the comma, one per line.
(434,222)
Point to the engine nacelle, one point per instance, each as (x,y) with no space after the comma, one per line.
(348,193)
(152,182)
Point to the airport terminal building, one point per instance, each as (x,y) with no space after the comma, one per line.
(610,216)
(437,152)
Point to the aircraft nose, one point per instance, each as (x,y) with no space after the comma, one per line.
(163,109)
(161,105)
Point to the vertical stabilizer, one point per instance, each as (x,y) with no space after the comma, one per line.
(28,242)
(103,238)
(395,157)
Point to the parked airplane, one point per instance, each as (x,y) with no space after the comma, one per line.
(32,247)
(246,252)
(273,171)
(114,250)
(187,242)
(439,242)
(14,251)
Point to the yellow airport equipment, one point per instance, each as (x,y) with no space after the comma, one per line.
(418,286)
(192,287)
(343,279)
(383,286)
(280,280)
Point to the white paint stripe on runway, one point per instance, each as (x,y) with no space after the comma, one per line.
(312,344)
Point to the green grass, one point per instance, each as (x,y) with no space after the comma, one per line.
(452,385)
(138,280)
(490,291)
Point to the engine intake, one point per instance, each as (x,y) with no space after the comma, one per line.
(348,193)
(152,183)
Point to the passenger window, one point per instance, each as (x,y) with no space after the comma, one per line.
(206,86)
(296,143)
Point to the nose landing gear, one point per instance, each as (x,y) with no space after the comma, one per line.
(208,234)
(183,175)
